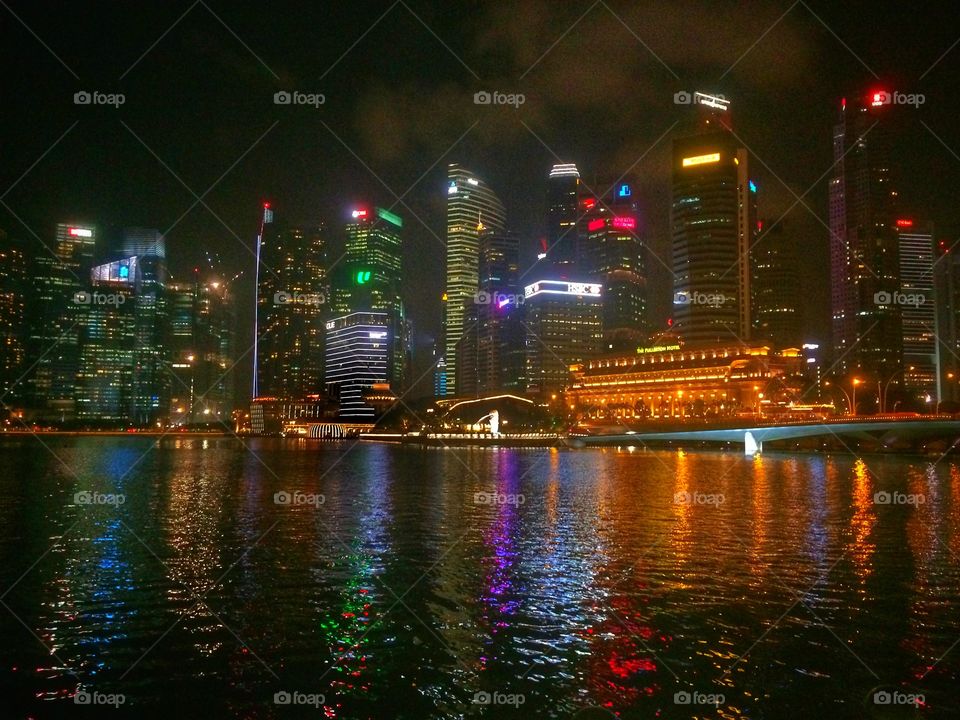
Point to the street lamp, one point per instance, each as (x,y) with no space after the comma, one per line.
(853,404)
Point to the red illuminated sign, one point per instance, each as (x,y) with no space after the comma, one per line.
(904,223)
(589,203)
(596,224)
(625,223)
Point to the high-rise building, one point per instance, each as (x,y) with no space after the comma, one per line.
(13,329)
(292,293)
(471,208)
(713,226)
(150,382)
(492,350)
(864,245)
(106,391)
(775,284)
(369,278)
(563,322)
(358,356)
(201,349)
(918,307)
(946,275)
(53,347)
(563,191)
(613,255)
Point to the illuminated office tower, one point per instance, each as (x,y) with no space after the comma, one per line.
(368,278)
(918,308)
(612,254)
(471,207)
(13,328)
(564,327)
(201,351)
(358,356)
(775,284)
(151,379)
(291,302)
(492,350)
(53,346)
(713,223)
(106,390)
(946,274)
(864,244)
(563,189)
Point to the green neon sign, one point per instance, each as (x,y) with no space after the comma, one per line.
(363,277)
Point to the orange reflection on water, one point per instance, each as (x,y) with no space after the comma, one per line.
(860,548)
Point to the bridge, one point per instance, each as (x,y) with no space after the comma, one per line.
(753,436)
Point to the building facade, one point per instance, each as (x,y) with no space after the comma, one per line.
(918,311)
(472,207)
(13,321)
(775,286)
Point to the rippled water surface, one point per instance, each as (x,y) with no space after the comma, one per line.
(391,587)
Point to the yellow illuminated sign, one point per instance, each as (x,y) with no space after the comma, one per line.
(701,159)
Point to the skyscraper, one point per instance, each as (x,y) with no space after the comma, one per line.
(150,382)
(106,391)
(358,356)
(613,255)
(563,322)
(201,349)
(13,290)
(563,190)
(713,226)
(291,300)
(471,207)
(864,246)
(775,285)
(53,348)
(492,354)
(918,307)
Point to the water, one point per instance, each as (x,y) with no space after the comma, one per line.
(773,588)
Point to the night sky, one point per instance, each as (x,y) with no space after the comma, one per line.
(399,79)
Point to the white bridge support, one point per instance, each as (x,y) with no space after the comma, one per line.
(750,445)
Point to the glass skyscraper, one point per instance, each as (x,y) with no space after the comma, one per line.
(13,293)
(471,208)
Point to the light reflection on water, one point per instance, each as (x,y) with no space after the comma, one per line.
(606,578)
